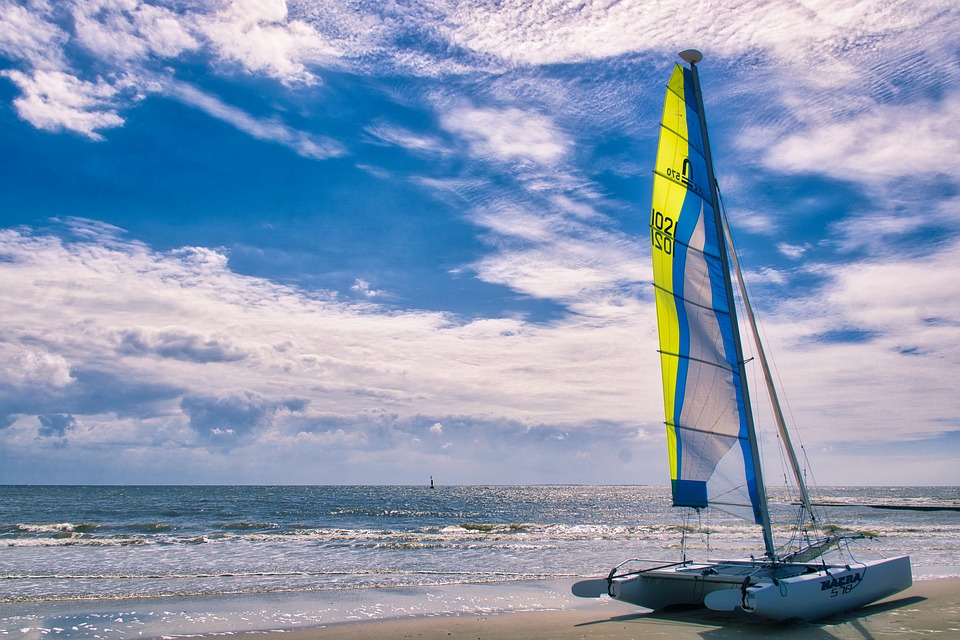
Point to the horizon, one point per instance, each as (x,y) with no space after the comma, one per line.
(439,486)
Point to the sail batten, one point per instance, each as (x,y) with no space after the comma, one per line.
(706,431)
(696,304)
(706,362)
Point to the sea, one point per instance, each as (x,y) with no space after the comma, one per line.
(162,561)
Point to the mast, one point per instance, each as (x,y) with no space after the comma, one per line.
(768,379)
(692,57)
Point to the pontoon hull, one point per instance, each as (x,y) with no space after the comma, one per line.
(659,589)
(817,595)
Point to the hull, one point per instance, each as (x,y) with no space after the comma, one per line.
(657,589)
(813,596)
(776,592)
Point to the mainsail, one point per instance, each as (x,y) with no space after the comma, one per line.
(710,434)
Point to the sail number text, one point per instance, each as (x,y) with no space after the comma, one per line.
(661,231)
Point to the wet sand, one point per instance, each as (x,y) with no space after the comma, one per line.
(928,608)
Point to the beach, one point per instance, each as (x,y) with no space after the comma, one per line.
(928,609)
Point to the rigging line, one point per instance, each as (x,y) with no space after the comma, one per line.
(770,358)
(768,377)
(704,531)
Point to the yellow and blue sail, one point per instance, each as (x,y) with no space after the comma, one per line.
(704,405)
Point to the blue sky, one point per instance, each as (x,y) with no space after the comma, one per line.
(325,242)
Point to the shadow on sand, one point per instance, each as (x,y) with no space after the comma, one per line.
(717,624)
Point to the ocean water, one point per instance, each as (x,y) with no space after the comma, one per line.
(66,546)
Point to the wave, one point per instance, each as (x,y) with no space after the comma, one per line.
(485,527)
(63,527)
(248,525)
(157,533)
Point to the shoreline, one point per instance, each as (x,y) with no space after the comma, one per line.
(528,609)
(927,607)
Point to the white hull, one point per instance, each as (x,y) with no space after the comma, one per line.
(778,592)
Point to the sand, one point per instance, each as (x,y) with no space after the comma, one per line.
(928,609)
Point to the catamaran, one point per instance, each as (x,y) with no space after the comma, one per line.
(711,436)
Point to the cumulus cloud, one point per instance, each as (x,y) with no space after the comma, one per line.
(890,325)
(182,320)
(57,101)
(125,39)
(793,251)
(818,48)
(126,30)
(260,36)
(317,373)
(31,367)
(179,344)
(235,413)
(27,35)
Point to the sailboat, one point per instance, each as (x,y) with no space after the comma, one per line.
(711,436)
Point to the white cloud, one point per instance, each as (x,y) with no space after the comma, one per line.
(194,349)
(558,249)
(260,36)
(126,38)
(25,34)
(305,144)
(889,141)
(31,367)
(809,57)
(793,251)
(830,75)
(362,287)
(398,136)
(508,134)
(54,101)
(125,30)
(822,43)
(895,380)
(182,320)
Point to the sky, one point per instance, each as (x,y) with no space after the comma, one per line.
(329,242)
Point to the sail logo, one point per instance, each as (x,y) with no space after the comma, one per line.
(685,176)
(842,584)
